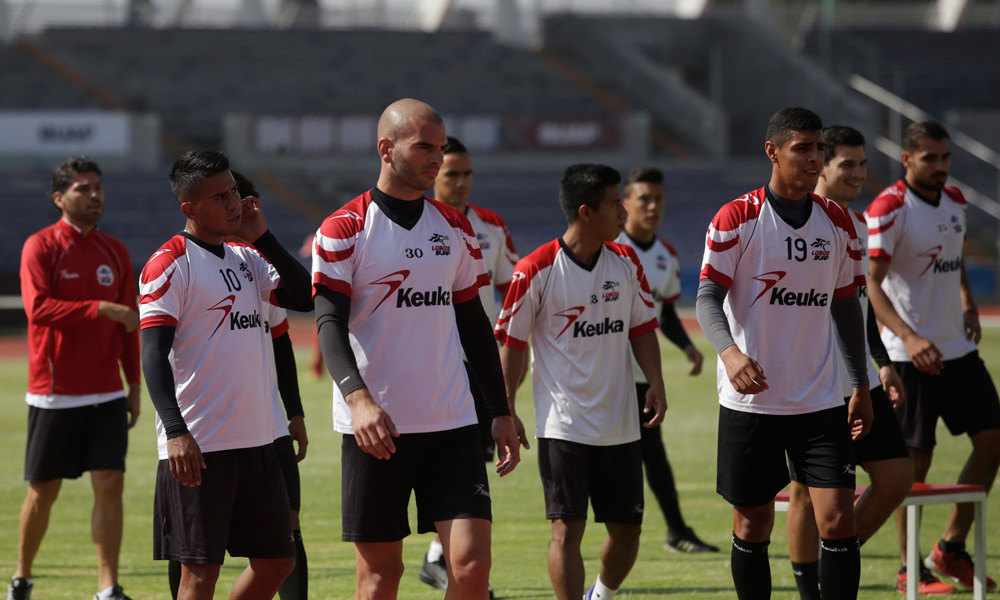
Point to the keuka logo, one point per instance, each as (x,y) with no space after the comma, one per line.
(586,329)
(225,305)
(240,321)
(769,280)
(407,297)
(571,315)
(782,297)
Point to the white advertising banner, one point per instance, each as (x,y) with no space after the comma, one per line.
(102,133)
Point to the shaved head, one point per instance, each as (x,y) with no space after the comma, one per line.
(400,117)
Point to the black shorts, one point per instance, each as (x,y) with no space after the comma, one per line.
(752,447)
(289,470)
(240,507)
(885,439)
(65,442)
(444,469)
(610,476)
(963,395)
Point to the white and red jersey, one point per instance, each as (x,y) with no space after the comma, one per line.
(219,357)
(923,244)
(846,389)
(64,277)
(499,255)
(580,321)
(781,281)
(276,322)
(663,274)
(403,284)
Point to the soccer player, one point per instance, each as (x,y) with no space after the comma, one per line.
(289,427)
(451,187)
(644,203)
(779,263)
(583,301)
(205,358)
(920,291)
(78,286)
(882,452)
(396,280)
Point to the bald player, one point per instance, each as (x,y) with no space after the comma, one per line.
(396,279)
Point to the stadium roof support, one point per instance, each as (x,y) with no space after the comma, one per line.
(948,14)
(431,14)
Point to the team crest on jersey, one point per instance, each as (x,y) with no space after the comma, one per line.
(820,251)
(661,262)
(439,244)
(609,291)
(956,224)
(105,276)
(245,270)
(484,241)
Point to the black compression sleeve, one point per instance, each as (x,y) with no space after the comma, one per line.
(850,328)
(288,378)
(711,317)
(879,354)
(333,311)
(296,282)
(476,333)
(156,344)
(670,325)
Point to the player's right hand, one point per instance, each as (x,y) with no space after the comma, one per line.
(186,461)
(924,354)
(373,428)
(119,313)
(508,433)
(744,373)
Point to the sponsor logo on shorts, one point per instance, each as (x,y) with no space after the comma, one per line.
(480,489)
(848,469)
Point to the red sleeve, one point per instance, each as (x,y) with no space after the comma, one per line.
(36,277)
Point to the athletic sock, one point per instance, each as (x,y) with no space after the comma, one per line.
(601,591)
(948,547)
(174,575)
(840,568)
(296,585)
(751,570)
(105,593)
(435,551)
(807,579)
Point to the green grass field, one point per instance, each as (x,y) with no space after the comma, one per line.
(65,566)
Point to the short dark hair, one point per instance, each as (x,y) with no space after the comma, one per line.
(62,177)
(789,119)
(455,147)
(195,166)
(840,135)
(585,184)
(923,129)
(644,175)
(244,186)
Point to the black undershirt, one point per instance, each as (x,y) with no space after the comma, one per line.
(670,322)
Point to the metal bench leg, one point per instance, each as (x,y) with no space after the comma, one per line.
(912,551)
(979,587)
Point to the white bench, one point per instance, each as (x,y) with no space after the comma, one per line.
(933,493)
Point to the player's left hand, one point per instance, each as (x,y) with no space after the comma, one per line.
(859,413)
(656,402)
(695,358)
(133,403)
(973,329)
(892,385)
(297,430)
(508,444)
(254,224)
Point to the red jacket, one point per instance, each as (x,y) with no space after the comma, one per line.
(64,276)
